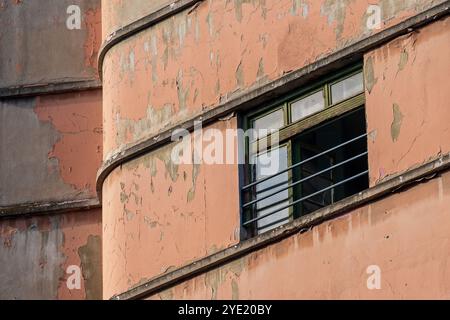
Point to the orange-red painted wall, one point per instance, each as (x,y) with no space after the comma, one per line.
(199,58)
(408,100)
(162,216)
(406,235)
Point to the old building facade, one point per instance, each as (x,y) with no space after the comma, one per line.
(351,100)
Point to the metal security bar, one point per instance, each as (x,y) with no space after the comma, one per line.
(250,191)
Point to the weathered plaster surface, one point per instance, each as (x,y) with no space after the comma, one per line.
(119,13)
(39,45)
(408,100)
(159,215)
(50,147)
(35,253)
(162,216)
(199,58)
(77,118)
(406,235)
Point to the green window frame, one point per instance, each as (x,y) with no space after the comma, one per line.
(347,86)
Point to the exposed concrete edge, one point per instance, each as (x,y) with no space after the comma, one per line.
(396,184)
(43,208)
(49,88)
(141,24)
(257,96)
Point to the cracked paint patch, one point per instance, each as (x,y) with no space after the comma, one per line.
(92,21)
(90,257)
(369,74)
(404,56)
(396,122)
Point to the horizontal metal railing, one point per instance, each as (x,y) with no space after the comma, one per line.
(250,188)
(303,162)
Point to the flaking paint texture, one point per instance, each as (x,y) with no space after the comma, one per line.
(35,253)
(161,216)
(42,139)
(209,54)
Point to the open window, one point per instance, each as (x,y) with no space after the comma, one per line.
(315,144)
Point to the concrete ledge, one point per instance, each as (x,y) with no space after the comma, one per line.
(43,208)
(262,94)
(49,88)
(410,178)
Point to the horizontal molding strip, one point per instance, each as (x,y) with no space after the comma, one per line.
(260,95)
(50,207)
(49,88)
(395,184)
(142,24)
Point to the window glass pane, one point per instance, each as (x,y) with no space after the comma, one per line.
(271,121)
(304,107)
(347,88)
(268,164)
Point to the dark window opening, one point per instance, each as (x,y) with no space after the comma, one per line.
(321,154)
(332,167)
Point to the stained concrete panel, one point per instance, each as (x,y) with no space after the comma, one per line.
(36,253)
(38,48)
(50,147)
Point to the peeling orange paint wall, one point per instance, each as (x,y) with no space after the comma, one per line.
(407,94)
(201,57)
(51,147)
(50,153)
(406,235)
(160,215)
(77,118)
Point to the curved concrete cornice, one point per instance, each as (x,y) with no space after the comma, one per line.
(50,88)
(48,207)
(260,94)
